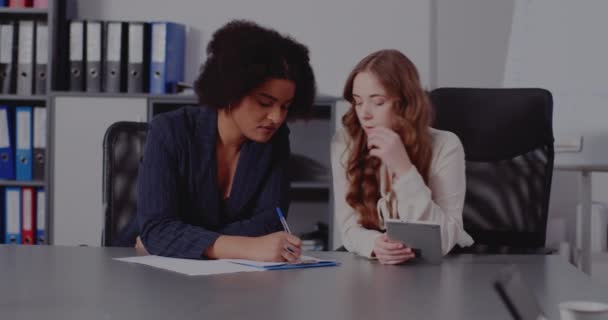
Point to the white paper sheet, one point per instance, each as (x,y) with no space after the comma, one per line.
(190,267)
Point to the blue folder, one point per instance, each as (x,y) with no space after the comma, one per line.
(168,48)
(7,153)
(23,129)
(287,265)
(303,265)
(2,217)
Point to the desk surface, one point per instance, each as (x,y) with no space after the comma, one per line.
(42,282)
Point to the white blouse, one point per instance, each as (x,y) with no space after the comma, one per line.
(409,198)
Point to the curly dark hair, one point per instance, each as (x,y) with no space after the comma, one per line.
(242,55)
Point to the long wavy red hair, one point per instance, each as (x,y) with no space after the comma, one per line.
(412,118)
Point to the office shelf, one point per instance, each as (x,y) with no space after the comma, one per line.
(21,183)
(18,98)
(24,12)
(98,94)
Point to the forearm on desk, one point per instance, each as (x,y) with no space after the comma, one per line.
(230,247)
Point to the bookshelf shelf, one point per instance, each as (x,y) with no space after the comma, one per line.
(21,183)
(24,12)
(18,98)
(97,94)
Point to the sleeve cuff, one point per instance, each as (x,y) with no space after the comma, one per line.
(364,245)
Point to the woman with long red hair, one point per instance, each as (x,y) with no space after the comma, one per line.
(388,163)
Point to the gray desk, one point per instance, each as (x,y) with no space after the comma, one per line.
(57,283)
(593,157)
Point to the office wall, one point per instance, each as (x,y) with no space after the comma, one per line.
(338,33)
(472,42)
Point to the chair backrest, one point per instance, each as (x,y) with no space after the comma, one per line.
(507,136)
(123,147)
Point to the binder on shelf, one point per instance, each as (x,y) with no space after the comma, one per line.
(168,54)
(77,42)
(8,38)
(41,4)
(25,57)
(20,3)
(2,214)
(39,157)
(115,55)
(7,155)
(41,63)
(12,212)
(27,216)
(40,216)
(138,62)
(23,165)
(93,55)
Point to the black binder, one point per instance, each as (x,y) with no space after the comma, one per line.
(39,143)
(25,58)
(138,60)
(93,55)
(8,56)
(77,55)
(115,56)
(40,72)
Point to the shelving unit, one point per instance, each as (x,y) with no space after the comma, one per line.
(52,16)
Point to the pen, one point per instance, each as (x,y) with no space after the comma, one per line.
(285,226)
(283,221)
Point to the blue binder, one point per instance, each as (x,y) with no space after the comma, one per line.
(12,213)
(23,128)
(2,216)
(40,216)
(168,55)
(7,155)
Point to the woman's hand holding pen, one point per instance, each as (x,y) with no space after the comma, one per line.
(391,252)
(278,246)
(386,145)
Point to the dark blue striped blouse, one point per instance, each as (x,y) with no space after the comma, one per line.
(178,208)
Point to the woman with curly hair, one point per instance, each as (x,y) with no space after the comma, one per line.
(213,175)
(388,163)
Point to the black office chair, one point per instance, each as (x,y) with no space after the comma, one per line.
(123,146)
(507,136)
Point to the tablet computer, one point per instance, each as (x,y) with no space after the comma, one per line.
(423,238)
